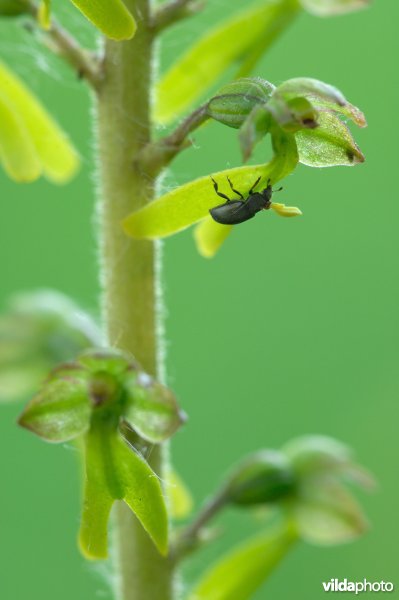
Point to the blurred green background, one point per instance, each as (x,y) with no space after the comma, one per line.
(291,329)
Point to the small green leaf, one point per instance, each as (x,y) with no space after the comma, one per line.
(59,160)
(153,411)
(60,411)
(209,236)
(235,39)
(241,573)
(326,514)
(17,152)
(330,144)
(180,499)
(234,102)
(114,471)
(326,8)
(111,17)
(264,477)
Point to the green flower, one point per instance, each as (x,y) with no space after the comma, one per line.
(105,397)
(305,119)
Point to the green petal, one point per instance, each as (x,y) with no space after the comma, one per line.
(240,573)
(142,492)
(111,17)
(209,236)
(326,514)
(59,412)
(201,66)
(323,96)
(17,152)
(58,157)
(99,496)
(330,144)
(153,411)
(114,471)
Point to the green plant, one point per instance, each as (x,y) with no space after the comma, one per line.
(103,396)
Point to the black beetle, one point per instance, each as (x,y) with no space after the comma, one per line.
(233,212)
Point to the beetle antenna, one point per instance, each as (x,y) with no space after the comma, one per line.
(279,190)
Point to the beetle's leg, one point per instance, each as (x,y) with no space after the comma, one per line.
(215,185)
(235,191)
(251,191)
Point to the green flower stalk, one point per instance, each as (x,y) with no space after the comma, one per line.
(105,391)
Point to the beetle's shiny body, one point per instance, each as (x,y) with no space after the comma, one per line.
(233,212)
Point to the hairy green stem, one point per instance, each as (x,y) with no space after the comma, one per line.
(129,271)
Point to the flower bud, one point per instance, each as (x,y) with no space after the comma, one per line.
(325,512)
(263,477)
(234,102)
